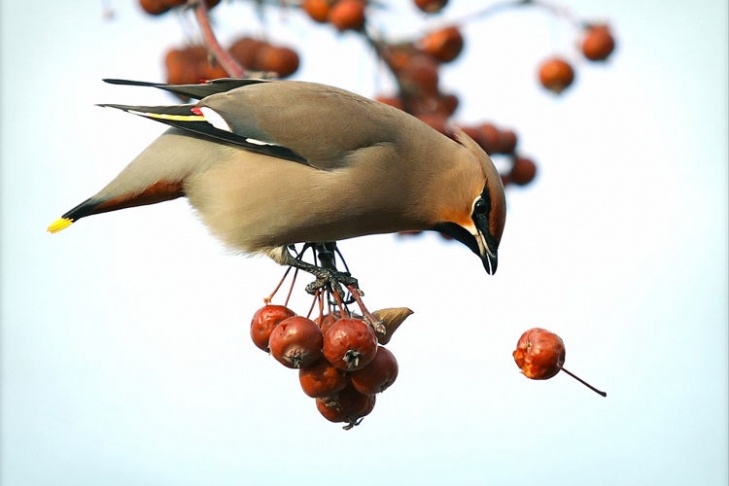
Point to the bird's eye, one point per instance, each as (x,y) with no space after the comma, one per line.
(480,206)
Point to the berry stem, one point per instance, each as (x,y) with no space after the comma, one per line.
(376,324)
(268,299)
(317,298)
(291,289)
(231,66)
(599,392)
(338,299)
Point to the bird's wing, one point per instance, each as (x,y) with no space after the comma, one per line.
(309,123)
(192,118)
(326,126)
(194,91)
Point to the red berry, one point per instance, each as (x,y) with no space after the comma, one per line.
(245,51)
(490,137)
(598,43)
(154,7)
(348,15)
(431,6)
(394,101)
(377,376)
(448,103)
(321,378)
(397,56)
(326,321)
(435,121)
(556,74)
(349,405)
(523,171)
(539,354)
(507,141)
(419,76)
(318,10)
(264,320)
(445,44)
(350,344)
(296,342)
(281,60)
(179,67)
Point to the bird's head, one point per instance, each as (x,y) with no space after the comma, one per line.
(479,221)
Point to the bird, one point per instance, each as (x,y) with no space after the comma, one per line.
(268,164)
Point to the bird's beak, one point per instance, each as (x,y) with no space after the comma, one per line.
(476,240)
(488,256)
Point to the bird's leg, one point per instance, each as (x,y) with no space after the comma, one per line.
(327,275)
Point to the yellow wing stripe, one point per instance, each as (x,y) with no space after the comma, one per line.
(182,118)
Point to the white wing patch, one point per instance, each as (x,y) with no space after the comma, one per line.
(253,141)
(212,117)
(217,121)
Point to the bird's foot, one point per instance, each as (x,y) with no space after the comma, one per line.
(331,280)
(328,277)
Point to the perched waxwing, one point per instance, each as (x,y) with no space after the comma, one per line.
(267,164)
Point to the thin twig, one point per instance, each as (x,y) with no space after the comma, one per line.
(495,8)
(222,56)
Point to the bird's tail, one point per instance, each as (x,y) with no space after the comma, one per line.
(158,192)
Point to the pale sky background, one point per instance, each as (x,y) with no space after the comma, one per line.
(126,358)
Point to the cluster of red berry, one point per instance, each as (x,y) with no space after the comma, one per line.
(191,64)
(414,64)
(342,14)
(342,361)
(257,55)
(351,15)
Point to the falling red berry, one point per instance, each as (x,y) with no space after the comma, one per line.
(540,355)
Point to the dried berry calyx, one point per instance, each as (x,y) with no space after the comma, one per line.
(391,318)
(350,344)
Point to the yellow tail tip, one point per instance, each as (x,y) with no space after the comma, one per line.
(59,224)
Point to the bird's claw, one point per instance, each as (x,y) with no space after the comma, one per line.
(331,280)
